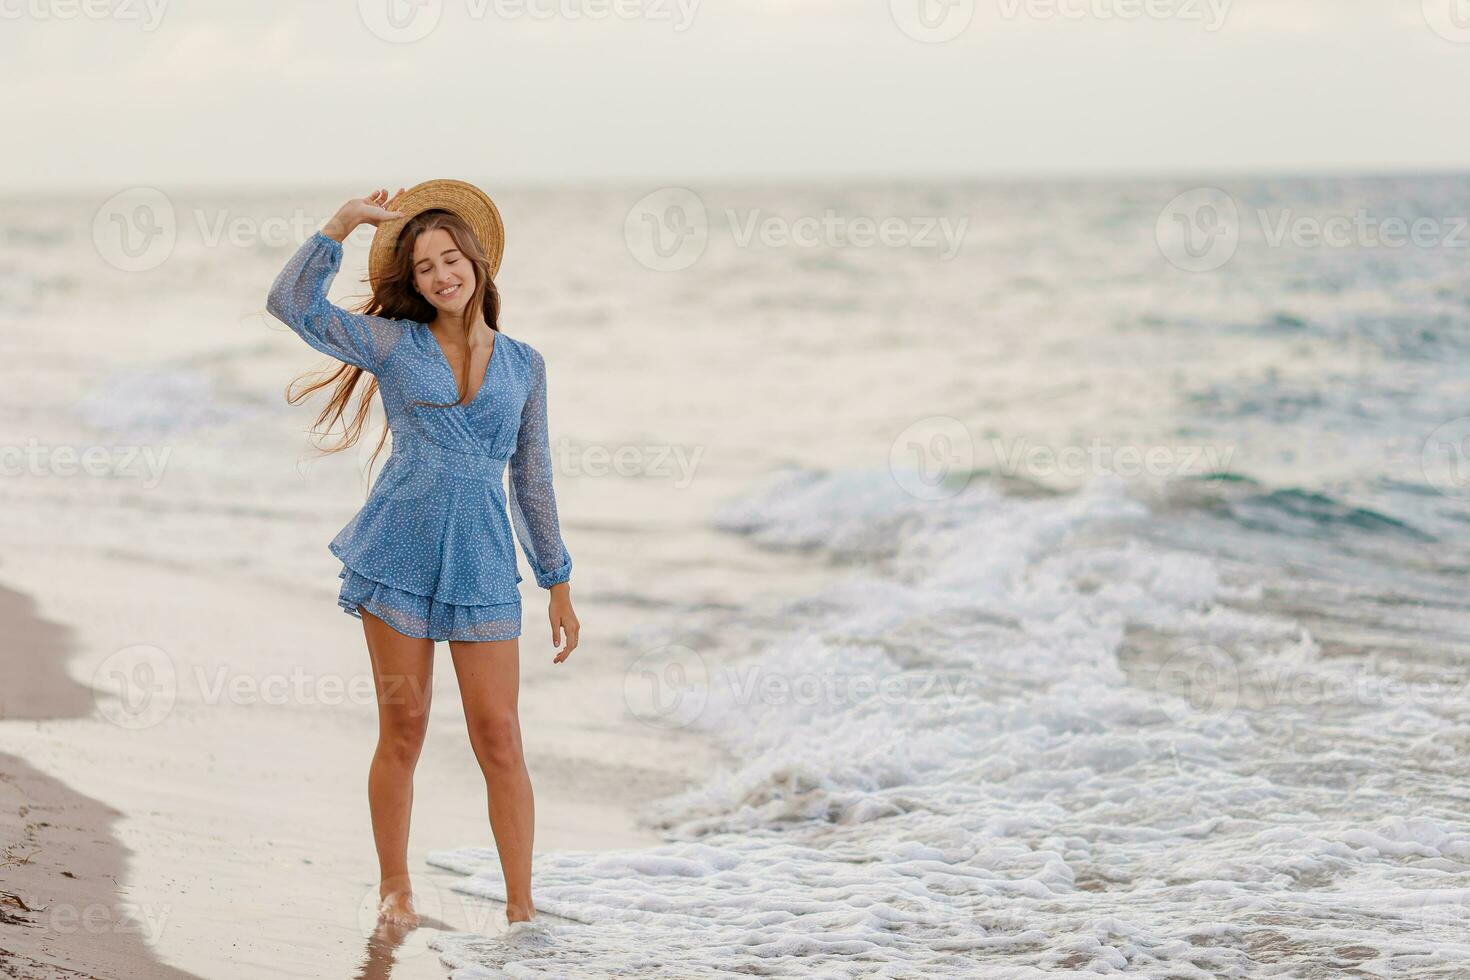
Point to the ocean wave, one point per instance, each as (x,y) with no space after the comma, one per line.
(1022,739)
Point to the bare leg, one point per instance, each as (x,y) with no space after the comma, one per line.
(403,674)
(489,682)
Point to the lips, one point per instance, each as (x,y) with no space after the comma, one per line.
(449,293)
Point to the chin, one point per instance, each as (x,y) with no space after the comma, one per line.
(455,308)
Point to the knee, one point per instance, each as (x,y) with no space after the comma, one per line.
(497,740)
(402,739)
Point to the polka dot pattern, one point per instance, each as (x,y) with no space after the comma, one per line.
(433,551)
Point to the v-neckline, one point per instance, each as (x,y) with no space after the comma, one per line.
(454,378)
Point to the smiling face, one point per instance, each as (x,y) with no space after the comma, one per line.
(441,272)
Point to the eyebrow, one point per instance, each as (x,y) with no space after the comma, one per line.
(452,248)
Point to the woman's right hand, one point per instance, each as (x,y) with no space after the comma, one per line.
(374,209)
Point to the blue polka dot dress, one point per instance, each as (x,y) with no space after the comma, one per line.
(431,553)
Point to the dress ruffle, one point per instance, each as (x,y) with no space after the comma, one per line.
(424,616)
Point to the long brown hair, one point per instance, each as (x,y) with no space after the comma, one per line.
(395,297)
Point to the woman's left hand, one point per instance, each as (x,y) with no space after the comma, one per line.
(563,620)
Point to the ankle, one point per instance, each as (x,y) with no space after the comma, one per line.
(396,885)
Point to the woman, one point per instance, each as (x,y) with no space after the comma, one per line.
(430,556)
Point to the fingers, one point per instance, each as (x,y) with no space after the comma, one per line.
(571,630)
(382,204)
(564,653)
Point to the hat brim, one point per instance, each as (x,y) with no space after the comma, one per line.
(458,197)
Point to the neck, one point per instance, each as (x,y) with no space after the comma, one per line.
(460,324)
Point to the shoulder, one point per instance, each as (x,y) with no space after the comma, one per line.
(520,350)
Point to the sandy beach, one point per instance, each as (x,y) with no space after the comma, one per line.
(63,864)
(212,834)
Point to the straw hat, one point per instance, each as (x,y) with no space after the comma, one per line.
(455,196)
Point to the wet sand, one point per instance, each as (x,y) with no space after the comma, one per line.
(62,911)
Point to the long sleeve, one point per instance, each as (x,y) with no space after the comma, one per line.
(532,501)
(299,299)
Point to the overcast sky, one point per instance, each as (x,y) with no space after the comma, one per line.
(284,93)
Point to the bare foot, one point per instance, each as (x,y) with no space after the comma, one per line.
(520,912)
(396,908)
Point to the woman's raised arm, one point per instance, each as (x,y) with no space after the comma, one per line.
(298,297)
